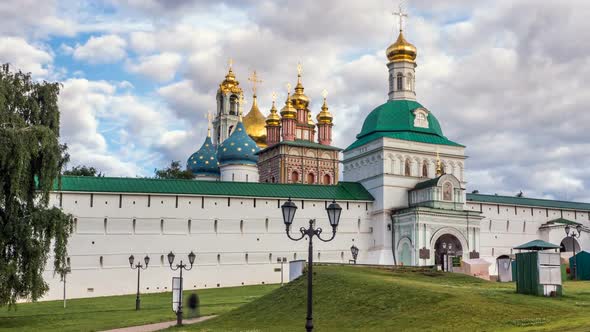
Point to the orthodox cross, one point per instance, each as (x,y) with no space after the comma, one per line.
(401,15)
(274,96)
(288,88)
(230,62)
(325,94)
(254,79)
(299,68)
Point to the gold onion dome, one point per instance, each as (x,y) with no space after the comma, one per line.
(230,84)
(299,99)
(288,111)
(324,117)
(401,50)
(273,118)
(255,122)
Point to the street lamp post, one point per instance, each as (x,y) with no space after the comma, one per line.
(138,267)
(181,266)
(64,273)
(334,210)
(574,235)
(355,252)
(281,260)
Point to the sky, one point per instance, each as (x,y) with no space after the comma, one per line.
(509,79)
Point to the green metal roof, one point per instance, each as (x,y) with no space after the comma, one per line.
(343,191)
(405,136)
(537,245)
(428,183)
(512,200)
(395,119)
(305,144)
(562,221)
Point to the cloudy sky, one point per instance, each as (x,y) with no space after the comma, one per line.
(507,78)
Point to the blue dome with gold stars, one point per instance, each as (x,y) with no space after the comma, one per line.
(204,162)
(238,149)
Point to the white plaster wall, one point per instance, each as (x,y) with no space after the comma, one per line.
(221,232)
(239,173)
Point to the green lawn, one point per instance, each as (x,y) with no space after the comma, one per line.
(366,299)
(99,313)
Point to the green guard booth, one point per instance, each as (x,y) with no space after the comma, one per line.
(538,270)
(582,260)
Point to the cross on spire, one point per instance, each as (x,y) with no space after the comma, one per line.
(254,79)
(230,62)
(400,13)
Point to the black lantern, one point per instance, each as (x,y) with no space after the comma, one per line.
(131,259)
(579,229)
(146,259)
(334,211)
(567,230)
(191,258)
(289,208)
(171,258)
(354,251)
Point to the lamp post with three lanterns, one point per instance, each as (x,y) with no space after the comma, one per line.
(334,210)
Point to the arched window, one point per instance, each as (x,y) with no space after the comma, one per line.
(272,179)
(447,191)
(294,177)
(400,82)
(424,170)
(233,177)
(410,83)
(327,179)
(391,82)
(407,171)
(229,131)
(233,105)
(310,178)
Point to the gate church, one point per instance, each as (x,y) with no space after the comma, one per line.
(402,193)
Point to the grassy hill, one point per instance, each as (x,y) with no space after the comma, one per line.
(348,298)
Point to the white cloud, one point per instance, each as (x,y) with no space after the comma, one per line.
(102,49)
(159,67)
(24,56)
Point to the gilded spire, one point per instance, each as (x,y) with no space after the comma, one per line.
(439,170)
(299,99)
(325,117)
(288,111)
(401,50)
(273,118)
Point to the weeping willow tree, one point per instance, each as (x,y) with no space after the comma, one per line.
(31,159)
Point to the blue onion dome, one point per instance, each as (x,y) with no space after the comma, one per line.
(204,162)
(238,149)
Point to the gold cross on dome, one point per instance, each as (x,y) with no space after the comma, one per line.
(230,62)
(254,79)
(288,88)
(325,93)
(401,15)
(299,68)
(274,96)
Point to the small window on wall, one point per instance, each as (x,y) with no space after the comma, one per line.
(101,261)
(215,226)
(270,258)
(447,191)
(310,178)
(161,259)
(425,170)
(327,179)
(218,258)
(266,224)
(295,256)
(294,177)
(400,82)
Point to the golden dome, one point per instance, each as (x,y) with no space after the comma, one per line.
(299,99)
(288,111)
(255,122)
(230,84)
(325,117)
(401,50)
(273,118)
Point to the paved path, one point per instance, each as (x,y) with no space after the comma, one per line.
(159,326)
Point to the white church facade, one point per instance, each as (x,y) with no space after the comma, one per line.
(402,193)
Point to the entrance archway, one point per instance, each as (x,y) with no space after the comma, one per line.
(568,244)
(447,245)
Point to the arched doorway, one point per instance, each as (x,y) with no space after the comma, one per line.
(446,247)
(568,244)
